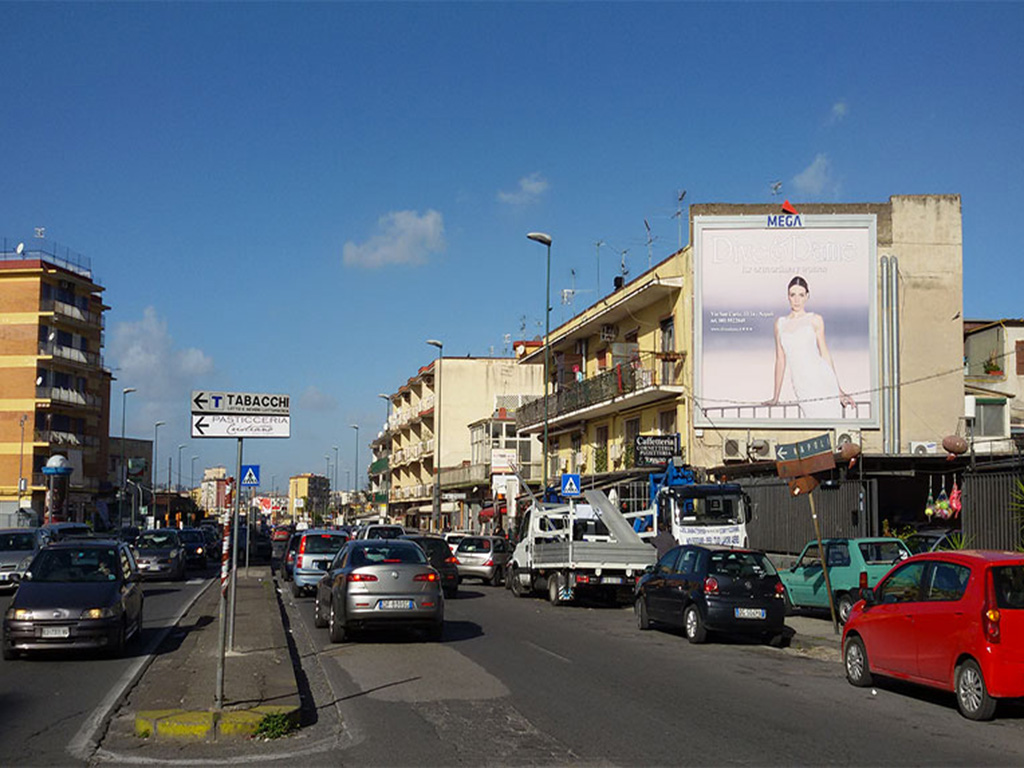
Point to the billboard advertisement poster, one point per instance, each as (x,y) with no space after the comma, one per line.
(785,321)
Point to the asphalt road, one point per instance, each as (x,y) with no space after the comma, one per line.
(518,681)
(46,700)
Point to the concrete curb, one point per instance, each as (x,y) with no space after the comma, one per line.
(209,725)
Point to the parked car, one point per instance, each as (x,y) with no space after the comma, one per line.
(128,534)
(214,545)
(484,558)
(282,532)
(454,537)
(441,559)
(933,539)
(316,549)
(159,554)
(291,549)
(707,588)
(948,620)
(847,560)
(194,543)
(61,531)
(380,583)
(17,548)
(76,594)
(380,531)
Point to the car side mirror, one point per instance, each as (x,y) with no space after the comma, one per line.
(867,595)
(27,576)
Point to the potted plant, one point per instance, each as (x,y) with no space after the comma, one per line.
(992,366)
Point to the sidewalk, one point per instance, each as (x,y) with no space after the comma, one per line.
(174,699)
(814,636)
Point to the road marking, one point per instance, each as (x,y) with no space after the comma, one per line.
(542,649)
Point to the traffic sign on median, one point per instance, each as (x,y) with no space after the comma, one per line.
(239,402)
(240,425)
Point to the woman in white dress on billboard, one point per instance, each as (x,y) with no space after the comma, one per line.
(800,348)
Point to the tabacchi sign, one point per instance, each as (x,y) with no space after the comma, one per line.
(785,320)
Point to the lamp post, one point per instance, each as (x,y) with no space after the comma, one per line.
(436,517)
(544,239)
(356,470)
(156,433)
(334,486)
(192,475)
(21,459)
(386,487)
(124,469)
(177,485)
(327,477)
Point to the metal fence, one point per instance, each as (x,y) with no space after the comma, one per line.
(988,518)
(782,523)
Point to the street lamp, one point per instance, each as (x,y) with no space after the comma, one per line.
(437,432)
(544,239)
(356,428)
(336,465)
(21,460)
(124,469)
(387,432)
(192,475)
(177,485)
(156,432)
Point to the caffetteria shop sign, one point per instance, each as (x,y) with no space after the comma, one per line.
(655,450)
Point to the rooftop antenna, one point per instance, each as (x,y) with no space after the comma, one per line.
(40,232)
(678,215)
(650,241)
(598,245)
(506,343)
(622,266)
(776,187)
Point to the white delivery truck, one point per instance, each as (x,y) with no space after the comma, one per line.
(571,549)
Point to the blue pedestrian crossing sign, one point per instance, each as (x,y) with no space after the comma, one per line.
(250,475)
(570,485)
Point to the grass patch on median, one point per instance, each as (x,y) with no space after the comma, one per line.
(274,726)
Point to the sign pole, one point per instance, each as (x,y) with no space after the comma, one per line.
(225,520)
(234,548)
(248,532)
(824,564)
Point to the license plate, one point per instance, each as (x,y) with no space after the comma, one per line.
(611,579)
(749,613)
(322,565)
(396,605)
(56,632)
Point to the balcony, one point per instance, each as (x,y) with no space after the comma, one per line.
(646,379)
(70,312)
(66,396)
(55,438)
(71,355)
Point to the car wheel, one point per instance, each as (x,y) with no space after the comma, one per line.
(318,617)
(855,660)
(696,632)
(296,589)
(844,604)
(181,572)
(972,697)
(555,589)
(137,635)
(121,639)
(436,632)
(450,593)
(337,629)
(9,653)
(516,584)
(643,621)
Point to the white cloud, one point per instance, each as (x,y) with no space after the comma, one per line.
(838,112)
(147,359)
(815,178)
(403,237)
(313,399)
(530,189)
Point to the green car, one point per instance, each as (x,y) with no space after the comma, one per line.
(847,560)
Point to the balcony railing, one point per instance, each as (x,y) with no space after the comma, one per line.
(56,437)
(71,312)
(643,372)
(68,396)
(71,354)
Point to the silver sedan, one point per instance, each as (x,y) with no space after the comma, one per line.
(380,583)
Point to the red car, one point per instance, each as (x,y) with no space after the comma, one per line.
(950,620)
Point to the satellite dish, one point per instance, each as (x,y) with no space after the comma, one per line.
(20,249)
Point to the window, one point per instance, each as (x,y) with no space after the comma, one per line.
(882,552)
(838,555)
(904,585)
(1018,347)
(1008,581)
(990,419)
(810,557)
(947,581)
(688,563)
(667,422)
(667,563)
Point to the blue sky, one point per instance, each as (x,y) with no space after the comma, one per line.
(292,198)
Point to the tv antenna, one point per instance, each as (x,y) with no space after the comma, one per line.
(622,266)
(678,215)
(650,242)
(776,187)
(598,245)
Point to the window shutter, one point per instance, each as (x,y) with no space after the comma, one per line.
(1020,358)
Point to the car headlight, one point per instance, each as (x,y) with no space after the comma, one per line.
(199,550)
(174,553)
(19,614)
(98,613)
(24,564)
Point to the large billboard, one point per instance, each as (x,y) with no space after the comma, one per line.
(785,321)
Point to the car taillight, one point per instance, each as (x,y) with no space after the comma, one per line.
(302,546)
(453,560)
(780,590)
(710,586)
(489,563)
(361,577)
(990,611)
(425,577)
(290,557)
(863,580)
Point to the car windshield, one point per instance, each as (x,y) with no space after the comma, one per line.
(387,553)
(157,540)
(75,565)
(1009,584)
(881,552)
(740,565)
(17,542)
(474,545)
(384,532)
(718,509)
(434,547)
(323,543)
(920,542)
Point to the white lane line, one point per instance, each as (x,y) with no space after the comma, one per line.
(86,741)
(542,649)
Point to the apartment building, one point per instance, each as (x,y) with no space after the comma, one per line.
(429,430)
(309,498)
(994,377)
(54,390)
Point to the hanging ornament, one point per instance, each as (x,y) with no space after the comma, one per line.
(929,509)
(942,509)
(955,504)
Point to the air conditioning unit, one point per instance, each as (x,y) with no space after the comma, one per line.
(848,436)
(609,332)
(734,449)
(923,448)
(762,449)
